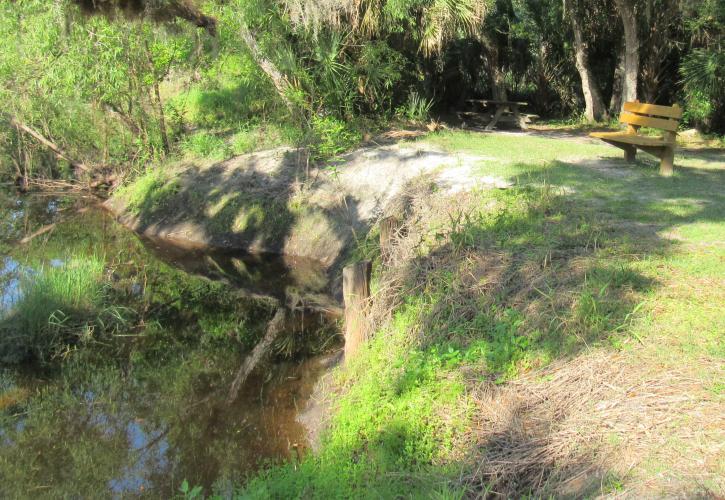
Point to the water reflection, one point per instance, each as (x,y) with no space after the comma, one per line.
(123,427)
(9,283)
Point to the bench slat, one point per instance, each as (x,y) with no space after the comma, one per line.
(635,140)
(654,109)
(646,121)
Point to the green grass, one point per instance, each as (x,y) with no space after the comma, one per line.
(397,423)
(148,192)
(206,145)
(576,256)
(56,302)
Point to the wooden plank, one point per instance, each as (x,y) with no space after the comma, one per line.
(646,121)
(624,138)
(654,109)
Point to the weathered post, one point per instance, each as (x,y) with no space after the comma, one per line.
(388,228)
(356,292)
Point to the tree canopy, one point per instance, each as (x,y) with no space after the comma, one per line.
(120,83)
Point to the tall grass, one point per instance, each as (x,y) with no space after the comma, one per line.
(59,306)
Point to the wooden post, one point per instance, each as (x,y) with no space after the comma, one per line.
(630,153)
(356,292)
(388,228)
(667,161)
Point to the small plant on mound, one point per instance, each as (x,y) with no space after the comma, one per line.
(330,138)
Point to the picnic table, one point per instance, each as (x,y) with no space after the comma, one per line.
(501,108)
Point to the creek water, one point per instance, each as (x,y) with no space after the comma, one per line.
(130,397)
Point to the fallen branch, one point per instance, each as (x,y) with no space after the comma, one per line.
(48,144)
(274,328)
(37,233)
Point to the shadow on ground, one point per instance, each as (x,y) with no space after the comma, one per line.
(517,280)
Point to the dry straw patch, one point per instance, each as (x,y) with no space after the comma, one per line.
(599,424)
(603,423)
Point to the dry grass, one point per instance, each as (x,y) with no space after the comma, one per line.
(585,425)
(602,422)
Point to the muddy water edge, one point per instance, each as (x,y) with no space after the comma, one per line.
(117,354)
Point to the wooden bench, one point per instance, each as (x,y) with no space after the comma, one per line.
(636,115)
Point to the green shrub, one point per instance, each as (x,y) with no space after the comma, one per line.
(703,78)
(331,137)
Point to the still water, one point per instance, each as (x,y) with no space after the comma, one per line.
(135,408)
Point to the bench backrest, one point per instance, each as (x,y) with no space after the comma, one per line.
(639,114)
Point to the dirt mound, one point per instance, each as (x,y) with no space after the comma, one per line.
(271,201)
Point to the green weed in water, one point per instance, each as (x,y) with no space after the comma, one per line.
(59,306)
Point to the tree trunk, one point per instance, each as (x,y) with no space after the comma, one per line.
(594,103)
(112,109)
(279,81)
(491,55)
(631,50)
(162,118)
(156,99)
(615,103)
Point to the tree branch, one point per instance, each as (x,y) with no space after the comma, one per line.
(48,144)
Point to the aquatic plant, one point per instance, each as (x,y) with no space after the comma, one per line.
(59,306)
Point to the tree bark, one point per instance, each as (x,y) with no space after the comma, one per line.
(491,54)
(615,103)
(156,99)
(593,101)
(162,118)
(631,50)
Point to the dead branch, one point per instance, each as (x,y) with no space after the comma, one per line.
(274,328)
(60,153)
(35,234)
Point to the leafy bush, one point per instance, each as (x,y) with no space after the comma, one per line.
(331,137)
(703,78)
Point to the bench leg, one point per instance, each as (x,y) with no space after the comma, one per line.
(667,162)
(630,153)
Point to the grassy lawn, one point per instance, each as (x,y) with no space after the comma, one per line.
(561,337)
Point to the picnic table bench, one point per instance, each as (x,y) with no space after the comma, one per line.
(502,107)
(636,115)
